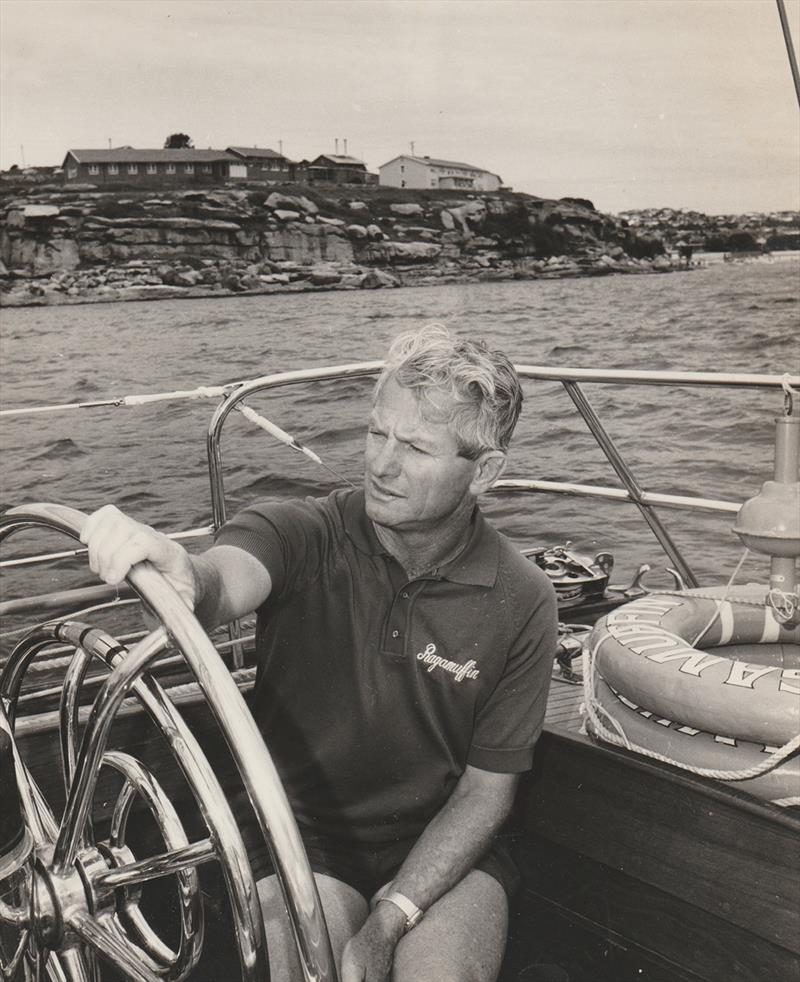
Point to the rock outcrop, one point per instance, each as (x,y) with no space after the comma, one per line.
(83,244)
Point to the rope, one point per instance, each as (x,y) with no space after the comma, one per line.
(720,602)
(783,605)
(591,706)
(201,392)
(788,394)
(287,439)
(116,602)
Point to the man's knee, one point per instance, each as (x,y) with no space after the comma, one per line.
(344,908)
(462,937)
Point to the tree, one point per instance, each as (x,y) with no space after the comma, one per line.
(178,141)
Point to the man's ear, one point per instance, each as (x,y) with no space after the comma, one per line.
(488,468)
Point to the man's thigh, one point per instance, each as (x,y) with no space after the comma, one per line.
(461,938)
(345,911)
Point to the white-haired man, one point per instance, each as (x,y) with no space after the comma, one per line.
(404,650)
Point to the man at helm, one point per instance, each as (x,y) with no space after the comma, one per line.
(404,654)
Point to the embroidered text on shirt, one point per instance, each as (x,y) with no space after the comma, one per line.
(458,671)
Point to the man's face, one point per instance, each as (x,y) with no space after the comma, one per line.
(414,477)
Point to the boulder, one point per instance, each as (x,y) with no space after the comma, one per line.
(146,292)
(471,212)
(406,208)
(285,215)
(40,211)
(404,252)
(377,279)
(358,206)
(447,220)
(297,203)
(374,233)
(324,276)
(356,231)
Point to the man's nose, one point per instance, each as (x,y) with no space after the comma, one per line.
(387,461)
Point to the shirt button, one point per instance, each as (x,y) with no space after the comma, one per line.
(405,594)
(395,634)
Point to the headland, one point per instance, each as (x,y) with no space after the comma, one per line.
(81,244)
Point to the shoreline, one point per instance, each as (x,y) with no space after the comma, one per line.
(41,293)
(82,245)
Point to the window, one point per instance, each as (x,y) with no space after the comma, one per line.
(189,168)
(133,168)
(170,168)
(402,168)
(72,172)
(152,168)
(113,169)
(94,168)
(206,168)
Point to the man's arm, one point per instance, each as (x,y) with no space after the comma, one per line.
(223,583)
(457,836)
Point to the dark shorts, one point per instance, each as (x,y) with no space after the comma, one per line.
(368,866)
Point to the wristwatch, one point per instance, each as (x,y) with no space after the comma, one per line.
(413,913)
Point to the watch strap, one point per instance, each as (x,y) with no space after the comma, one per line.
(413,913)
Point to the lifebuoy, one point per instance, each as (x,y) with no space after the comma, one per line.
(743,681)
(688,745)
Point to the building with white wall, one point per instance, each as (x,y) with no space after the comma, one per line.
(408,171)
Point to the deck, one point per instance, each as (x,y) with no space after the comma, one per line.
(633,869)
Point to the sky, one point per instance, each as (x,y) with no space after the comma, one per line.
(630,103)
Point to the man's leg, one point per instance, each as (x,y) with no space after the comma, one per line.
(345,911)
(461,938)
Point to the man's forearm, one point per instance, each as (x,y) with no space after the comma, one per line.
(208,593)
(454,840)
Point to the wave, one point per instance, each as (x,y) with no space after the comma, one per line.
(65,449)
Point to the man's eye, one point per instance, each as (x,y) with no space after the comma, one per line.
(374,432)
(418,449)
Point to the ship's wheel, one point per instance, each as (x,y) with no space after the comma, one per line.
(69,900)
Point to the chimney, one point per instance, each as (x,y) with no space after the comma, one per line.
(336,143)
(280,147)
(345,147)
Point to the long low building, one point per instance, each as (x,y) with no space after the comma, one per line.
(126,165)
(408,171)
(185,166)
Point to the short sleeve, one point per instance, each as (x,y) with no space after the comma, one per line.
(291,539)
(510,722)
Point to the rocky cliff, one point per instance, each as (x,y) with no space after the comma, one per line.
(80,244)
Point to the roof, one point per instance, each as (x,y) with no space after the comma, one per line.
(340,160)
(127,155)
(438,163)
(256,152)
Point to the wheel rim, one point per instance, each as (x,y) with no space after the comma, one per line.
(124,940)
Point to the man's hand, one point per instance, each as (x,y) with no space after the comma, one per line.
(368,955)
(117,542)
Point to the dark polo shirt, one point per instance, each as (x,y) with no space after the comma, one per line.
(374,692)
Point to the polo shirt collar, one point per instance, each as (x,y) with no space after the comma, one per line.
(476,565)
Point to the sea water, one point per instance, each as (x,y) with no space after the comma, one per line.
(150,460)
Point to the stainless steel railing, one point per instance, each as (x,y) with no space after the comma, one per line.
(571,378)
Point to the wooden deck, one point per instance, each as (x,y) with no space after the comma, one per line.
(633,869)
